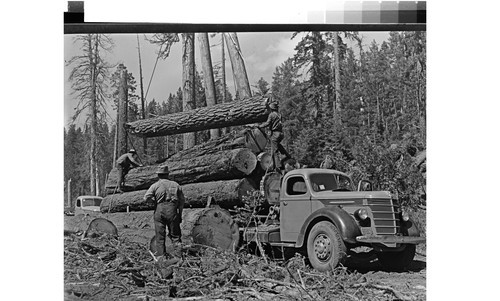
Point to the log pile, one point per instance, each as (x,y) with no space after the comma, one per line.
(222,172)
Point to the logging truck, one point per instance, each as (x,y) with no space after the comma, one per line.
(321,212)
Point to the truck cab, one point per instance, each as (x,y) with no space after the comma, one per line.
(322,212)
(88,204)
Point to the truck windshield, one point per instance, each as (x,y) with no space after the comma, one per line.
(91,202)
(328,181)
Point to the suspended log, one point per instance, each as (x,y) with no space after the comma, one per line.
(251,110)
(226,194)
(221,165)
(208,226)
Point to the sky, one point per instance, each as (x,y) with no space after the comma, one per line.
(262,53)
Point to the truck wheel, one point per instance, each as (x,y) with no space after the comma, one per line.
(397,261)
(325,248)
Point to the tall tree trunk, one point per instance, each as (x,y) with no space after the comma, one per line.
(223,74)
(122,110)
(208,75)
(238,65)
(93,55)
(143,105)
(188,92)
(336,105)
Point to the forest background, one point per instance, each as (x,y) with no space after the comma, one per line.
(366,110)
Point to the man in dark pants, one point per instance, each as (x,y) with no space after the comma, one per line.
(169,201)
(124,164)
(275,125)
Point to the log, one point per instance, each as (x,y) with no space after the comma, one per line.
(221,165)
(226,194)
(270,187)
(250,110)
(253,139)
(208,226)
(212,227)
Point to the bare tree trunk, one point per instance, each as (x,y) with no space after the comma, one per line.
(93,55)
(336,105)
(224,100)
(122,110)
(238,65)
(143,105)
(208,75)
(188,94)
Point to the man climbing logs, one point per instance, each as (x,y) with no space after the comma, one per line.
(126,162)
(275,126)
(169,201)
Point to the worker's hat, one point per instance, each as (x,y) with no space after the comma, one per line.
(132,151)
(162,170)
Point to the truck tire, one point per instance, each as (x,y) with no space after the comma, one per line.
(397,261)
(325,248)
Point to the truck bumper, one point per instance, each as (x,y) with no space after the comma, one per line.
(390,239)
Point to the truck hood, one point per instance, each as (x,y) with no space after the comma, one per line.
(328,195)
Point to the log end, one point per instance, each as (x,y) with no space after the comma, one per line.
(245,161)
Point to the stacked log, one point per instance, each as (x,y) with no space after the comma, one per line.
(225,194)
(222,165)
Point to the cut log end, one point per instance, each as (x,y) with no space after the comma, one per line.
(245,161)
(211,227)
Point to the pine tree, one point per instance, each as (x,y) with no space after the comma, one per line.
(89,78)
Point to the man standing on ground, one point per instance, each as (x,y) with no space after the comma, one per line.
(169,201)
(275,125)
(126,162)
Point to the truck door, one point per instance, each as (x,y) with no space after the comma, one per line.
(295,207)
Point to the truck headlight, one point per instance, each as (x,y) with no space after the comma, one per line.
(405,216)
(361,214)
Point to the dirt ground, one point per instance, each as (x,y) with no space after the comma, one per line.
(108,268)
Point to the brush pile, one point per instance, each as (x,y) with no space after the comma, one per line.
(103,267)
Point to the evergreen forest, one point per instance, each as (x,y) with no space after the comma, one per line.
(361,107)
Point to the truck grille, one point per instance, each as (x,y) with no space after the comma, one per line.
(385,216)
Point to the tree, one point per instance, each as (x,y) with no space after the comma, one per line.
(208,76)
(262,87)
(188,89)
(238,65)
(89,78)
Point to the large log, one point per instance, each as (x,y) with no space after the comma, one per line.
(250,110)
(209,226)
(226,194)
(253,139)
(221,165)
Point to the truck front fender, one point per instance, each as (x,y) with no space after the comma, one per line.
(347,226)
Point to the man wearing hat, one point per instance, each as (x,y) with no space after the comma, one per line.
(124,163)
(169,201)
(275,126)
